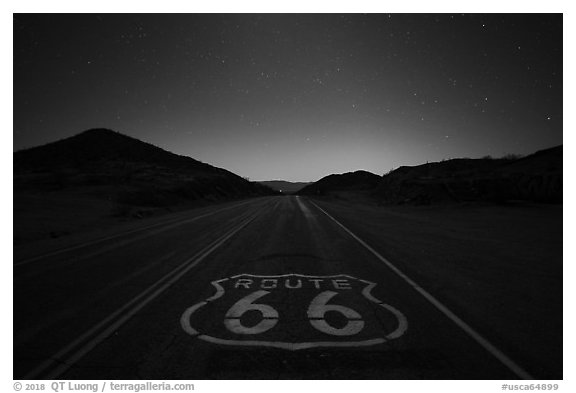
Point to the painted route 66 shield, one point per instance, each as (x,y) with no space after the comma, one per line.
(294,311)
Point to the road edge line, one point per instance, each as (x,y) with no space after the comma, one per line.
(483,342)
(74,355)
(172,221)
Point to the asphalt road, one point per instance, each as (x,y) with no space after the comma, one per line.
(267,288)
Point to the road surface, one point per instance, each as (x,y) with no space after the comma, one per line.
(267,288)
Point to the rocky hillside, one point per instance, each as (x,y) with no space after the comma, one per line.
(345,182)
(118,167)
(535,178)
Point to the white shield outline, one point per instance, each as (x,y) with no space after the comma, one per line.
(398,332)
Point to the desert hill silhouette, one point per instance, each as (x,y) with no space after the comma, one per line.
(99,176)
(350,181)
(100,145)
(127,170)
(534,178)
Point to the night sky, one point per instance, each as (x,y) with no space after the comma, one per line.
(295,96)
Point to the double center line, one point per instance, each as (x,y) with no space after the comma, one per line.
(161,226)
(60,362)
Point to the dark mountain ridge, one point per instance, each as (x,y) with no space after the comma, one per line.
(97,145)
(534,178)
(350,181)
(132,171)
(99,177)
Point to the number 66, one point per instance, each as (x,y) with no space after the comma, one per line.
(316,314)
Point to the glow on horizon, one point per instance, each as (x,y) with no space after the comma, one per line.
(295,96)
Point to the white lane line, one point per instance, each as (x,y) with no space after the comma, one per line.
(487,345)
(65,357)
(28,333)
(174,221)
